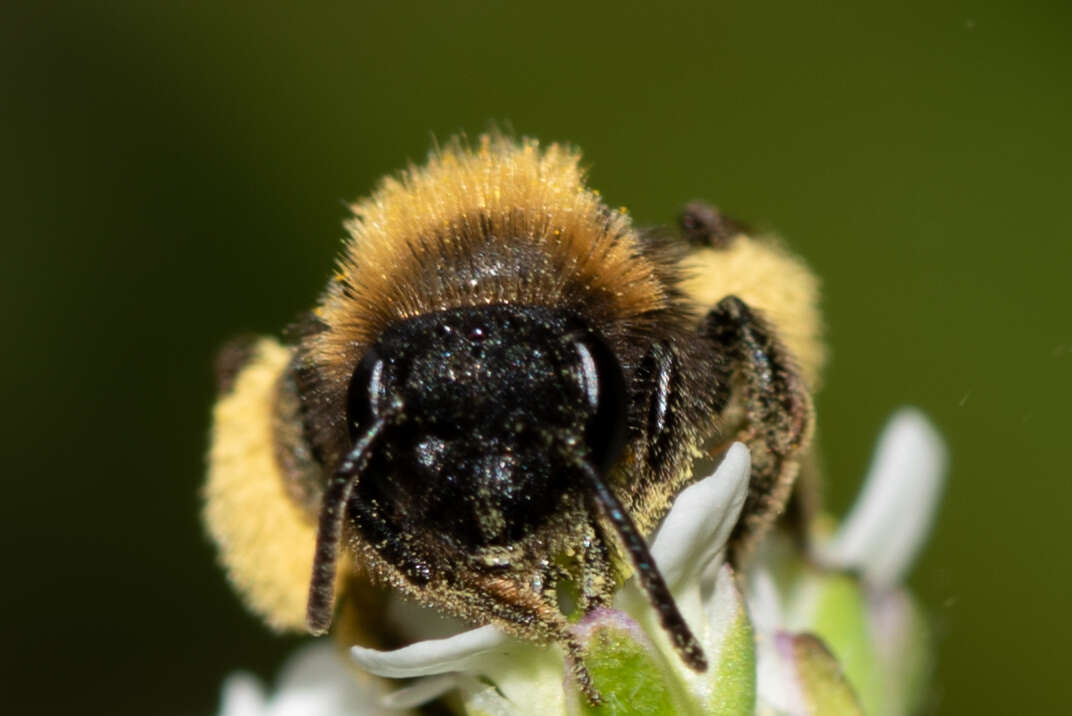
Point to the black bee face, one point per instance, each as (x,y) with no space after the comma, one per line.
(490,408)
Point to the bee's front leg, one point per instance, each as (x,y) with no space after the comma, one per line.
(775,412)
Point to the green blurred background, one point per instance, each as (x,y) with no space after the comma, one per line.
(175,173)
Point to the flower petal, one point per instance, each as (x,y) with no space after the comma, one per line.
(528,682)
(904,646)
(699,523)
(894,511)
(315,681)
(778,689)
(764,602)
(419,692)
(243,695)
(487,701)
(435,656)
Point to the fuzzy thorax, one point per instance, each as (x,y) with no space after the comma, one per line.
(511,222)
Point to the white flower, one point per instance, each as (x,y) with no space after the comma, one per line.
(873,641)
(813,636)
(314,682)
(892,516)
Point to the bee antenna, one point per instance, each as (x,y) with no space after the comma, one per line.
(650,579)
(321,605)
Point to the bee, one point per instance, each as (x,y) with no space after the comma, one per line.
(500,392)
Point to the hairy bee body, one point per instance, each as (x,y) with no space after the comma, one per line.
(506,345)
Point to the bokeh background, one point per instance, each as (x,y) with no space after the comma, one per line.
(176,173)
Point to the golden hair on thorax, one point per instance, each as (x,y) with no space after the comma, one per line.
(506,223)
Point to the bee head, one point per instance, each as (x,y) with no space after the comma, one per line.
(490,408)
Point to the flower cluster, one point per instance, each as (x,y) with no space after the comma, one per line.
(830,632)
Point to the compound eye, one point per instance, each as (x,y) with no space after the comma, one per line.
(604,386)
(366,395)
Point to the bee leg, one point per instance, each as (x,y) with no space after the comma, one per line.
(594,587)
(575,663)
(702,224)
(806,500)
(776,411)
(533,617)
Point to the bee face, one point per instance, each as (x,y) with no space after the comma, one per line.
(476,454)
(500,391)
